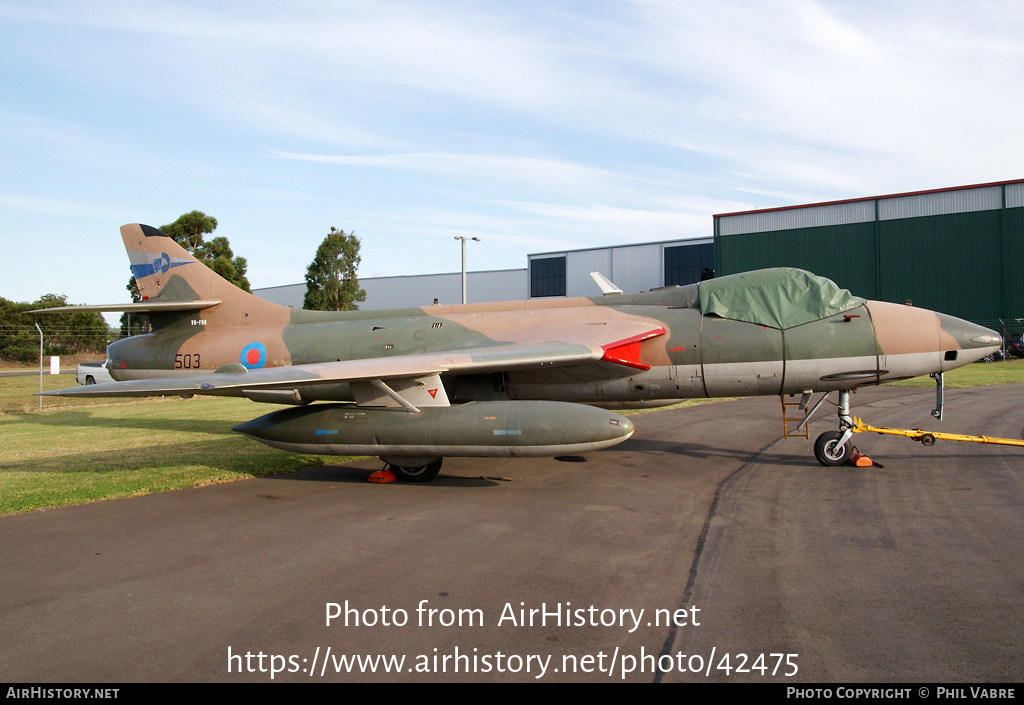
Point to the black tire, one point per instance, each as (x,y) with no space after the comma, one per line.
(425,473)
(927,440)
(828,451)
(90,380)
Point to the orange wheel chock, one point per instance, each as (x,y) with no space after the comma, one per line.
(382,476)
(859,460)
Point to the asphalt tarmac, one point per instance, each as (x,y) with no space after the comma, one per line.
(750,562)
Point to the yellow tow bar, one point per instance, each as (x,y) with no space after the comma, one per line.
(928,438)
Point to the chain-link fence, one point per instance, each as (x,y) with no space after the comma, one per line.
(19,388)
(26,372)
(20,385)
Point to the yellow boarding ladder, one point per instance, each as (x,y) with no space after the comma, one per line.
(790,431)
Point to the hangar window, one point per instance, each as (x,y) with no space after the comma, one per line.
(547,277)
(688,264)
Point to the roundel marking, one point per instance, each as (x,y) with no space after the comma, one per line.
(253,356)
(161,263)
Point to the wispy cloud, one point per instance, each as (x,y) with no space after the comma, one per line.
(58,207)
(530,122)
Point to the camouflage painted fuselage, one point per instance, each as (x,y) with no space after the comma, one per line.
(698,355)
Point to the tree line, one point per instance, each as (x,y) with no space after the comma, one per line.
(63,333)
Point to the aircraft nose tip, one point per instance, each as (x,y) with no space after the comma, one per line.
(969,336)
(986,339)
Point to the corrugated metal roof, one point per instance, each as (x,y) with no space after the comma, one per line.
(960,199)
(1013,182)
(799,217)
(940,203)
(1015,195)
(663,243)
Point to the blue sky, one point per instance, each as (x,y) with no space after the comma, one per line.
(535,126)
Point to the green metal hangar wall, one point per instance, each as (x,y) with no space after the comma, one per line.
(956,250)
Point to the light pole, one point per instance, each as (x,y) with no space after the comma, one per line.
(463,238)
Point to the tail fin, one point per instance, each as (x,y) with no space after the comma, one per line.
(167,274)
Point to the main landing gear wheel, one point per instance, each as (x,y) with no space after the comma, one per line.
(425,473)
(829,452)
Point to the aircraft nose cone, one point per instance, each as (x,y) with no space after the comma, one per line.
(969,336)
(973,342)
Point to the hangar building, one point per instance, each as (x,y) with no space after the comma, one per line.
(634,268)
(956,250)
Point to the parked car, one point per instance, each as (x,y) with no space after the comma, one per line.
(1015,345)
(93,373)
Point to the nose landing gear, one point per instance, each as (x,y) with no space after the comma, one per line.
(830,450)
(834,447)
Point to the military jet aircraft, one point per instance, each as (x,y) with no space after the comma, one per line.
(525,378)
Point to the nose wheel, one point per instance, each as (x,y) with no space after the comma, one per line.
(830,450)
(835,447)
(421,473)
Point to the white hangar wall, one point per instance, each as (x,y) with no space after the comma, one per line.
(419,289)
(633,268)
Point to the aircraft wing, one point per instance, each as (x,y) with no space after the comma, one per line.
(391,377)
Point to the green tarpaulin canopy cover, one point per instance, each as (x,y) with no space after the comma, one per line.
(782,297)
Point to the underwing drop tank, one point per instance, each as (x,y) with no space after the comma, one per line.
(475,429)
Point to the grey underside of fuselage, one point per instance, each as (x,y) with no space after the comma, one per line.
(726,379)
(662,382)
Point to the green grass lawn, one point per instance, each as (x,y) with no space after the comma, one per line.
(63,457)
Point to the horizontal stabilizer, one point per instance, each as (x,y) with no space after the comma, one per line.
(142,307)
